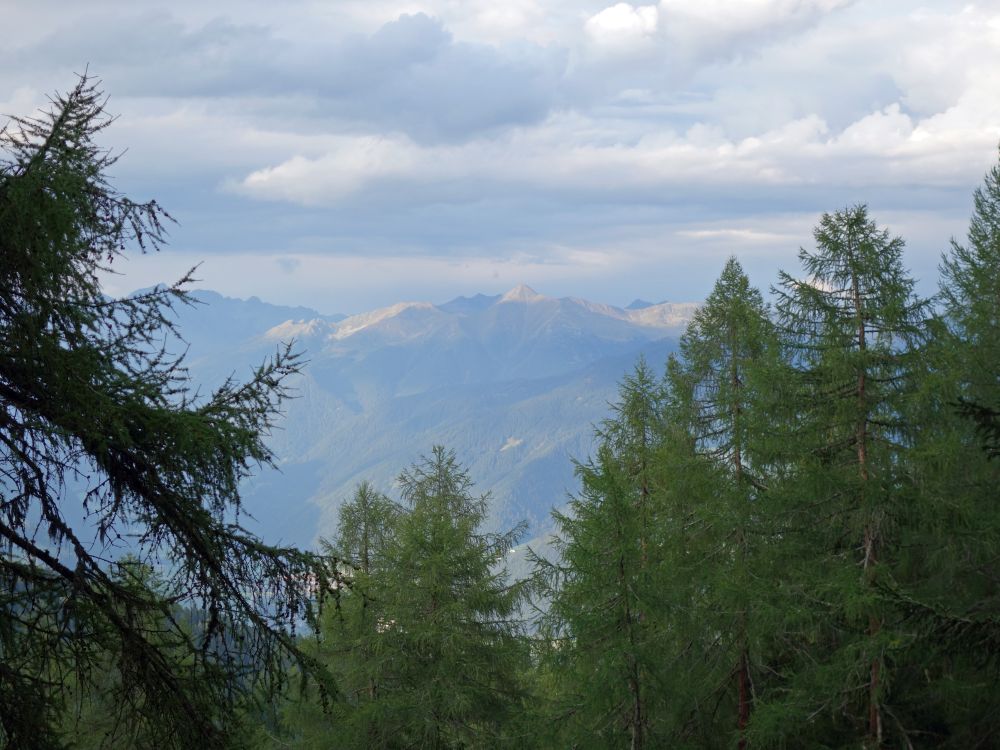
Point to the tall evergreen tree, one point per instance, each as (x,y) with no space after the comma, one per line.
(726,357)
(112,714)
(970,290)
(953,594)
(852,327)
(365,530)
(425,637)
(349,632)
(453,644)
(720,389)
(90,399)
(604,606)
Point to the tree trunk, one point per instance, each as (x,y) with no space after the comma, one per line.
(871,534)
(743,682)
(743,665)
(636,718)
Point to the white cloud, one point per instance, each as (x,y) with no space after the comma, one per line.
(711,29)
(873,134)
(884,148)
(943,55)
(741,16)
(739,236)
(352,164)
(623,26)
(563,137)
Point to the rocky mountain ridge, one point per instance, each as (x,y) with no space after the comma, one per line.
(514,383)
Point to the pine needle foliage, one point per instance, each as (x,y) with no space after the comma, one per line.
(600,634)
(349,631)
(426,639)
(94,406)
(853,329)
(952,595)
(453,644)
(721,391)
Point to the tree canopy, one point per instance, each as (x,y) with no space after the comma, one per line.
(789,539)
(105,448)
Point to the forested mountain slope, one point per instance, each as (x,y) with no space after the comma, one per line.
(513,383)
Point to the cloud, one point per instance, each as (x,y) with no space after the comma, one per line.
(623,25)
(722,29)
(352,164)
(883,148)
(738,236)
(410,75)
(575,135)
(678,37)
(418,80)
(945,55)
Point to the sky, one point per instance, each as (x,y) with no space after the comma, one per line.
(348,155)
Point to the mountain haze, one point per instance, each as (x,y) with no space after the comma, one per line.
(513,383)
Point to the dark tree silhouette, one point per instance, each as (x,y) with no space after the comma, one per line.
(95,410)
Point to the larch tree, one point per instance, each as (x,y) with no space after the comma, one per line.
(853,327)
(600,630)
(365,528)
(450,643)
(970,291)
(96,413)
(720,387)
(348,635)
(953,592)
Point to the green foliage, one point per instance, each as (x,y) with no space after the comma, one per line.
(350,628)
(365,530)
(729,355)
(853,331)
(424,637)
(970,292)
(453,645)
(92,404)
(112,712)
(952,597)
(722,392)
(599,638)
(794,544)
(788,541)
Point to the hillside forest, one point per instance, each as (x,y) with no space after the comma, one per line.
(788,535)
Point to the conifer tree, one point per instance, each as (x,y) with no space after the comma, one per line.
(110,714)
(720,387)
(601,627)
(970,290)
(969,344)
(425,636)
(952,596)
(92,400)
(349,631)
(453,644)
(852,326)
(365,529)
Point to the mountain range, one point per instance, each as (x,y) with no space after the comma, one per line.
(514,383)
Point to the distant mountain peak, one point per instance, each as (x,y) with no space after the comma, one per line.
(638,304)
(298,329)
(355,323)
(664,315)
(469,304)
(522,293)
